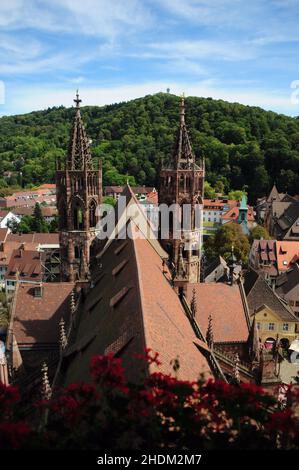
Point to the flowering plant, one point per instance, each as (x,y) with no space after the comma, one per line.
(160,412)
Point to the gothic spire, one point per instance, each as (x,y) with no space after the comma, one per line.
(183,157)
(79,156)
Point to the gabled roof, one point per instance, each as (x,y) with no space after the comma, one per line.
(28,264)
(132,306)
(215,264)
(130,208)
(259,293)
(274,194)
(233,214)
(288,281)
(36,319)
(226,305)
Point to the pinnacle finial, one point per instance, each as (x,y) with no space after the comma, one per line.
(46,387)
(62,335)
(182,108)
(77,100)
(209,334)
(236,368)
(193,304)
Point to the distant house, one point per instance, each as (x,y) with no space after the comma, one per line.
(242,214)
(273,257)
(216,271)
(7,217)
(282,216)
(213,210)
(25,265)
(275,319)
(49,213)
(263,258)
(217,212)
(287,287)
(29,198)
(34,328)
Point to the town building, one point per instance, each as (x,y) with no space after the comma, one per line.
(26,266)
(276,322)
(282,216)
(273,257)
(287,287)
(7,218)
(48,212)
(35,326)
(217,212)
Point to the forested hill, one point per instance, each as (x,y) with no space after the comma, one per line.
(242,145)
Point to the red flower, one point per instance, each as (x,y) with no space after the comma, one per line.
(13,435)
(107,371)
(8,395)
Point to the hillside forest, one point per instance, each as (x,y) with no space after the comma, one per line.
(244,147)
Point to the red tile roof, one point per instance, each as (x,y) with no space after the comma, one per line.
(36,319)
(3,234)
(27,263)
(47,186)
(166,327)
(286,253)
(38,238)
(224,303)
(233,214)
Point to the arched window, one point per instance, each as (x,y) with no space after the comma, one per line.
(77,252)
(78,218)
(182,182)
(62,215)
(92,213)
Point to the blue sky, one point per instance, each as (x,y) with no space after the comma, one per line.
(245,51)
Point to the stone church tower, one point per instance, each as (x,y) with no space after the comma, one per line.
(182,185)
(79,191)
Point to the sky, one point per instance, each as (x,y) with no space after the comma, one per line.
(117,50)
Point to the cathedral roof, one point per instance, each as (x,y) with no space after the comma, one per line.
(132,306)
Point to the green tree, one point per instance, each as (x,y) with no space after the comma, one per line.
(39,224)
(221,243)
(259,232)
(209,192)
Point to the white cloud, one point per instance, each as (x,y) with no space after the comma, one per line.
(196,49)
(102,18)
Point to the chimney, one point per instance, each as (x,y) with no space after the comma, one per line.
(38,291)
(22,248)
